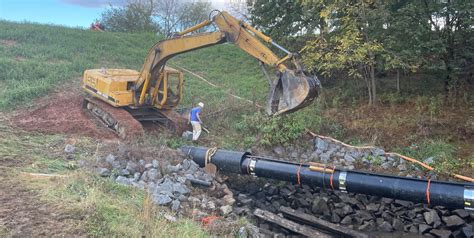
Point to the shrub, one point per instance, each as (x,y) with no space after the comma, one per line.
(271,130)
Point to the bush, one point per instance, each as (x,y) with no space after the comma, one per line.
(271,130)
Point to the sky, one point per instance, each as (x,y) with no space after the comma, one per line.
(72,13)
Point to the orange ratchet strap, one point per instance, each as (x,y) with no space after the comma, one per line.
(428,191)
(330,178)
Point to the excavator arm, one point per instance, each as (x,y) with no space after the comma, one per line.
(292,90)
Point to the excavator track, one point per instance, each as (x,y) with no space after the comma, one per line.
(117,119)
(168,118)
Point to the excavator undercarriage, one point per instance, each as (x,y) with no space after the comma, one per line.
(127,122)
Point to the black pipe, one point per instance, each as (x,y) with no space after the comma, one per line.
(449,194)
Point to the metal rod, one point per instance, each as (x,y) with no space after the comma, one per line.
(280,47)
(264,37)
(449,194)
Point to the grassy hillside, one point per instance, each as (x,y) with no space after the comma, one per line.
(34,59)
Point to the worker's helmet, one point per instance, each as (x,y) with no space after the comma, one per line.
(201,104)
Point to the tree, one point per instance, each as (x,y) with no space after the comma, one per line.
(284,20)
(196,12)
(175,15)
(403,40)
(136,16)
(353,43)
(359,37)
(449,28)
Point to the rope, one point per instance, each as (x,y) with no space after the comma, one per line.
(429,168)
(215,86)
(209,153)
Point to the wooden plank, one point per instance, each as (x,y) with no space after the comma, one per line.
(290,225)
(322,224)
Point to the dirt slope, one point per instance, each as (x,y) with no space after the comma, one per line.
(61,113)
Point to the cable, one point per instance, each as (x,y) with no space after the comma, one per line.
(458,176)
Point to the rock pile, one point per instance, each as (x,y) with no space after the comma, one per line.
(366,158)
(356,211)
(171,185)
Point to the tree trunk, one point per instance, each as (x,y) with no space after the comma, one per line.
(367,83)
(398,81)
(369,91)
(372,79)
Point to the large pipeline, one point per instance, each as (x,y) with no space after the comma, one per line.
(437,193)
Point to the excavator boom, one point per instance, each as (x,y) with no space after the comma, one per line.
(292,90)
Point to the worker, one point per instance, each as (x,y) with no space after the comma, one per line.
(195,120)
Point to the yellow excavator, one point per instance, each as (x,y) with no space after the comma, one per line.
(122,98)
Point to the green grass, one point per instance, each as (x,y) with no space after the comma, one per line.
(443,153)
(107,208)
(41,57)
(115,210)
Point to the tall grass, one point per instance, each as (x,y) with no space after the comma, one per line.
(41,57)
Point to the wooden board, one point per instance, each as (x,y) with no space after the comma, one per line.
(290,225)
(322,224)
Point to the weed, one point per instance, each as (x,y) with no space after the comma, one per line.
(392,99)
(442,153)
(434,106)
(271,131)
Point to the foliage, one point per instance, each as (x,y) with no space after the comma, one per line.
(136,16)
(433,35)
(158,16)
(175,15)
(352,46)
(429,106)
(271,130)
(196,12)
(360,39)
(282,19)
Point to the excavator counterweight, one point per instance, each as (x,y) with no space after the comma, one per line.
(155,91)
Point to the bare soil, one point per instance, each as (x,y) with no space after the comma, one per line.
(61,113)
(24,214)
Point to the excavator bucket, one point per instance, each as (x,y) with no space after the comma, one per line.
(292,91)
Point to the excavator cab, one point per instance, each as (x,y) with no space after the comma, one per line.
(168,89)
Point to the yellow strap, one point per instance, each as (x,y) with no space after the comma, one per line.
(209,153)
